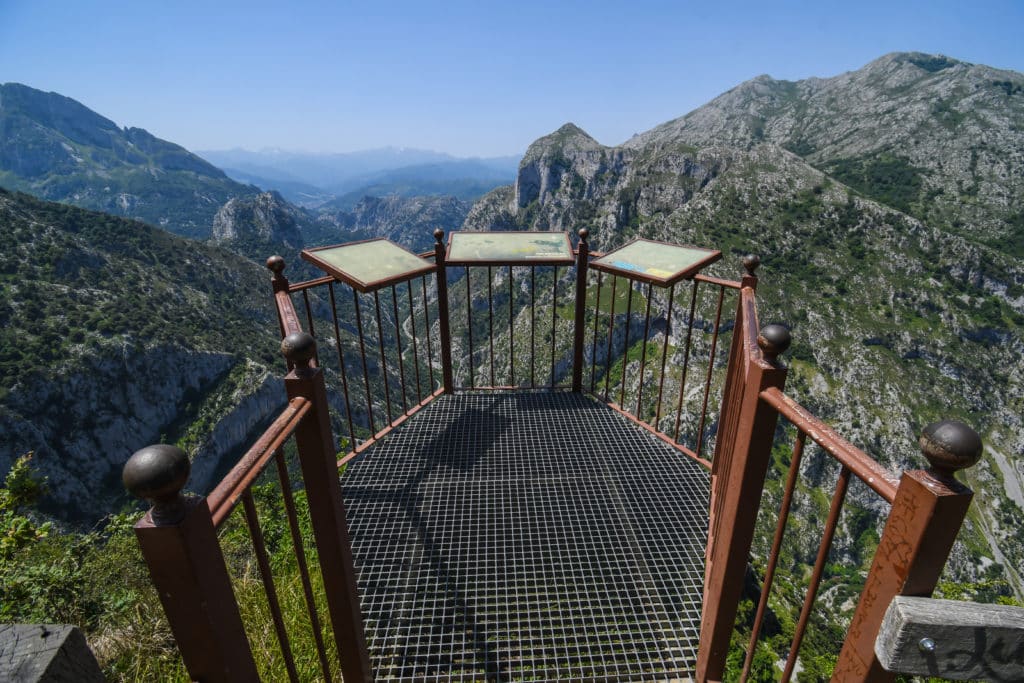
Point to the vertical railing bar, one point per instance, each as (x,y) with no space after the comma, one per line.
(611,328)
(773,557)
(256,534)
(362,354)
(643,352)
(593,346)
(511,343)
(300,557)
(309,321)
(341,363)
(415,346)
(383,358)
(533,324)
(711,367)
(819,568)
(490,317)
(554,302)
(686,361)
(469,326)
(625,344)
(398,346)
(664,356)
(426,318)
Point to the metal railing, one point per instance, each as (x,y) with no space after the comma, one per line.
(188,564)
(394,351)
(928,508)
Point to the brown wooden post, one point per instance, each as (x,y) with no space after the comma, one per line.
(318,459)
(925,518)
(180,546)
(442,312)
(739,496)
(582,257)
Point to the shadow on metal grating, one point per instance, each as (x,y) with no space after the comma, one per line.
(522,536)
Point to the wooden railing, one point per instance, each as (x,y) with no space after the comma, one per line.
(385,376)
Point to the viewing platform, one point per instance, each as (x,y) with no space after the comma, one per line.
(535,536)
(521,460)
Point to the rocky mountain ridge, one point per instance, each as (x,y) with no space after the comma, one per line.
(937,138)
(897,321)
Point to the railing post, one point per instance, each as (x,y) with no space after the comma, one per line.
(738,491)
(318,460)
(286,318)
(582,257)
(179,544)
(442,312)
(924,521)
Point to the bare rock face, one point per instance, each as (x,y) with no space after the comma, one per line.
(409,221)
(948,131)
(265,218)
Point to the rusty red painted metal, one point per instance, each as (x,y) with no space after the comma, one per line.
(185,561)
(191,578)
(924,521)
(579,319)
(318,461)
(442,313)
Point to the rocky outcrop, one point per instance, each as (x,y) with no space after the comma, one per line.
(265,218)
(409,221)
(83,426)
(237,410)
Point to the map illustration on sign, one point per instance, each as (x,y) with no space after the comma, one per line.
(497,248)
(368,265)
(656,262)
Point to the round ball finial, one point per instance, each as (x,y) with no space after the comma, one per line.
(584,234)
(950,445)
(774,340)
(275,264)
(438,235)
(750,263)
(299,348)
(156,473)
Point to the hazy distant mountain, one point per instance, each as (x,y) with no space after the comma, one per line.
(295,191)
(464,179)
(312,180)
(897,319)
(55,148)
(325,171)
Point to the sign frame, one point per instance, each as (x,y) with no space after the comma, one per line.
(686,273)
(366,287)
(566,259)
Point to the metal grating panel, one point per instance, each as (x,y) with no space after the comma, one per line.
(527,537)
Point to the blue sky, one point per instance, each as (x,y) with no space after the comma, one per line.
(468,78)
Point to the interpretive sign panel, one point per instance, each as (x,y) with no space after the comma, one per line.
(508,248)
(659,263)
(368,265)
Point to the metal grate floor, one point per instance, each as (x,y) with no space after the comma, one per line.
(527,536)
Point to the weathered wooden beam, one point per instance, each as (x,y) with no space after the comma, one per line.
(952,639)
